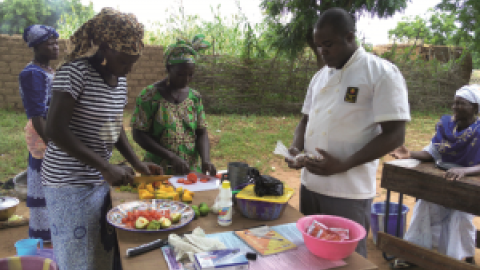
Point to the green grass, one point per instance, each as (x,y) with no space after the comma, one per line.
(249,139)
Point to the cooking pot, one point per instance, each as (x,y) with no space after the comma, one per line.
(8,205)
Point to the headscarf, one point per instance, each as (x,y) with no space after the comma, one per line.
(121,31)
(185,51)
(470,93)
(36,34)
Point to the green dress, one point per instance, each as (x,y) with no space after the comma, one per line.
(172,125)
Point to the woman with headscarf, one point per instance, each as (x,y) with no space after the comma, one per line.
(457,140)
(84,123)
(35,82)
(169,118)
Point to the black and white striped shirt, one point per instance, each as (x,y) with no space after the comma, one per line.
(96,121)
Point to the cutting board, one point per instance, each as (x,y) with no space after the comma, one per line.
(214,183)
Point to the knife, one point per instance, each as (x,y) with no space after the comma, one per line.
(159,243)
(131,252)
(151,178)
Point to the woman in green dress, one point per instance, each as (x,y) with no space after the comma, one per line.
(169,118)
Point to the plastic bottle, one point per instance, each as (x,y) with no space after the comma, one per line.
(225,204)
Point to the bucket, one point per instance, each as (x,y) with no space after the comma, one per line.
(378,219)
(27,247)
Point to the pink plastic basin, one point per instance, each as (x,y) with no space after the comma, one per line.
(331,250)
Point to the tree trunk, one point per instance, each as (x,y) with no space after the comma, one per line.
(313,47)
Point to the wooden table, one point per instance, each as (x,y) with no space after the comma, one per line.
(426,182)
(154,259)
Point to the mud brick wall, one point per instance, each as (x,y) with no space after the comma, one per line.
(15,55)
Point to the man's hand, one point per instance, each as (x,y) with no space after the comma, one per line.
(208,167)
(401,153)
(326,166)
(455,174)
(291,164)
(149,168)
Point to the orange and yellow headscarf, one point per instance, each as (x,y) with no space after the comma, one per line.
(121,31)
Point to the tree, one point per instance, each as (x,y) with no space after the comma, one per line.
(15,15)
(439,28)
(291,36)
(467,15)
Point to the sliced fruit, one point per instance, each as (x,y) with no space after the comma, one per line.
(188,182)
(150,188)
(187,198)
(166,223)
(154,225)
(141,223)
(175,217)
(142,186)
(192,177)
(180,180)
(204,180)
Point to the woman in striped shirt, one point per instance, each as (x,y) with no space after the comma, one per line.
(84,124)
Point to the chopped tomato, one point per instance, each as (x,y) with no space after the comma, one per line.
(181,180)
(124,220)
(188,182)
(219,176)
(192,177)
(204,180)
(130,224)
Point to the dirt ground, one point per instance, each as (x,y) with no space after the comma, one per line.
(10,236)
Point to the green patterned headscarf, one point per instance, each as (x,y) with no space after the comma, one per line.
(185,51)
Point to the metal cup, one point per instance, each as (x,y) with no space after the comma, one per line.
(237,174)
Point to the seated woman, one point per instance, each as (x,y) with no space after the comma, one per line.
(456,141)
(169,119)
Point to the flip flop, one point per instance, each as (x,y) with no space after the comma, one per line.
(401,264)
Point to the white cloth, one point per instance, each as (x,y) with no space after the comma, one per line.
(470,93)
(342,128)
(451,231)
(193,243)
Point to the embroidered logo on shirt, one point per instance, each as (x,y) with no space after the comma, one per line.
(351,95)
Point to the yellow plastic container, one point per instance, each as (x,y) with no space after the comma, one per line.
(262,208)
(248,193)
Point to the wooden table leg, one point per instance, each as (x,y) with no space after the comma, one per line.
(418,255)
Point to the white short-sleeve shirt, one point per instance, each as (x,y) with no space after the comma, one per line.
(345,108)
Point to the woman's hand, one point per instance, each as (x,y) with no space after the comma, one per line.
(455,174)
(149,168)
(179,165)
(117,175)
(209,167)
(401,153)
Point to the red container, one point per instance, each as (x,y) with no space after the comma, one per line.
(331,250)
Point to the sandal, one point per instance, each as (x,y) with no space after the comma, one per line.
(470,260)
(401,264)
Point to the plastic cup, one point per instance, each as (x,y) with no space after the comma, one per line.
(26,247)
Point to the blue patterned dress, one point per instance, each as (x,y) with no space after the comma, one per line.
(35,89)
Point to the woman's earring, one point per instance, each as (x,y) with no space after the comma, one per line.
(104,63)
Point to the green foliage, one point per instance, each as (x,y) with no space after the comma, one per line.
(467,16)
(233,35)
(291,35)
(70,22)
(436,28)
(15,15)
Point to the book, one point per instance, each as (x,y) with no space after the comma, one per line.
(265,241)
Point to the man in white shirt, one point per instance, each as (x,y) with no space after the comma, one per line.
(354,112)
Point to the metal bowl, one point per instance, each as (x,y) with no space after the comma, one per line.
(20,185)
(8,205)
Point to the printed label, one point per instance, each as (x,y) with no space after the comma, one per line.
(225,214)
